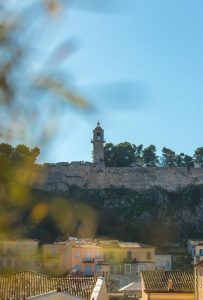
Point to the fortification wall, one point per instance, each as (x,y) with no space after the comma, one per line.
(60,176)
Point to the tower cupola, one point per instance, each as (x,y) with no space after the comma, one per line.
(98,145)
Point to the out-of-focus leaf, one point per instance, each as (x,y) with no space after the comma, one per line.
(7,27)
(57,87)
(62,52)
(39,212)
(53,6)
(101,6)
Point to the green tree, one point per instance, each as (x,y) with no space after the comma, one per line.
(108,153)
(198,156)
(180,160)
(169,157)
(188,161)
(6,149)
(149,156)
(121,155)
(138,154)
(23,153)
(124,154)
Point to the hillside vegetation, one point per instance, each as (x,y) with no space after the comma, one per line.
(156,216)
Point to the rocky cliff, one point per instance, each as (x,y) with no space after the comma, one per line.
(60,176)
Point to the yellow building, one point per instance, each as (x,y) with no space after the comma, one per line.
(167,285)
(19,255)
(119,262)
(199,281)
(127,260)
(55,258)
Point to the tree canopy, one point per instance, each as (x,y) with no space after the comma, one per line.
(198,156)
(20,153)
(126,154)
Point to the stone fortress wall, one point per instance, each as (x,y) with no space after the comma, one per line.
(60,176)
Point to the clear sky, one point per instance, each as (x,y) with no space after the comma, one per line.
(140,65)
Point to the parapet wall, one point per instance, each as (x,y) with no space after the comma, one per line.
(60,176)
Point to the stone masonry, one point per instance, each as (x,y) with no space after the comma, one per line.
(60,176)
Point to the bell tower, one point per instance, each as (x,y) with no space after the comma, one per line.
(98,145)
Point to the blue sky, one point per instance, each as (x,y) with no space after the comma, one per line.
(139,63)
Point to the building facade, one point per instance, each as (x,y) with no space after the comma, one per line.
(127,260)
(163,262)
(195,249)
(120,263)
(19,255)
(199,281)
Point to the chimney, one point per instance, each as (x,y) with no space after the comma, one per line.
(170,284)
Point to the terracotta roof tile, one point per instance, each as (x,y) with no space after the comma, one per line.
(25,284)
(157,281)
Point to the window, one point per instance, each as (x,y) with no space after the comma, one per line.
(116,284)
(201,252)
(98,255)
(77,253)
(53,252)
(97,268)
(87,256)
(88,270)
(117,269)
(141,268)
(128,269)
(9,250)
(148,256)
(129,255)
(125,281)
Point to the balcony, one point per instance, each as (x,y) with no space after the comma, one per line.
(103,263)
(88,260)
(127,260)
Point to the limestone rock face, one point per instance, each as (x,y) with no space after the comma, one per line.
(59,177)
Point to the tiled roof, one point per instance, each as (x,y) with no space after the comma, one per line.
(133,245)
(94,243)
(200,263)
(84,244)
(25,284)
(157,281)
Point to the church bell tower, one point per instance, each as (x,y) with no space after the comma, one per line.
(98,145)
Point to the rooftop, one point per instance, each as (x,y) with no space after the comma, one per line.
(133,245)
(96,243)
(27,284)
(158,281)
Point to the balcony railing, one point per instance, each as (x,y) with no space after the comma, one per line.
(88,260)
(129,260)
(103,262)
